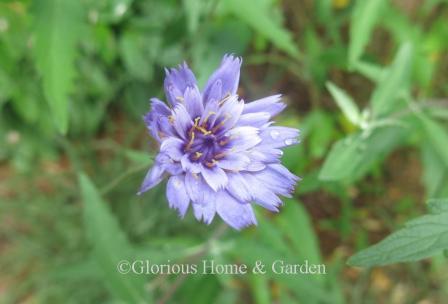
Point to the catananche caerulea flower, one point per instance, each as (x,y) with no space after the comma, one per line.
(220,153)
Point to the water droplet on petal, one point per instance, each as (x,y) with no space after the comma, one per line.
(275,134)
(289,141)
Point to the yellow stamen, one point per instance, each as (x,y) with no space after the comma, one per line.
(197,155)
(190,143)
(196,126)
(220,155)
(223,142)
(203,130)
(211,164)
(171,119)
(224,99)
(215,128)
(180,98)
(208,116)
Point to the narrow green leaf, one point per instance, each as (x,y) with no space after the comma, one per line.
(260,288)
(304,244)
(363,19)
(369,70)
(420,238)
(260,18)
(346,103)
(57,29)
(110,246)
(393,83)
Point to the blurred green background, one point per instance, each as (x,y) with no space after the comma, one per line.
(365,81)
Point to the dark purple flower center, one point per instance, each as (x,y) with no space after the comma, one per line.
(207,142)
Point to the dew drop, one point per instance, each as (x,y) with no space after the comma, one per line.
(275,134)
(289,141)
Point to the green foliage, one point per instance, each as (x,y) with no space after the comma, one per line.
(87,68)
(58,27)
(394,82)
(259,17)
(420,238)
(437,137)
(109,246)
(364,16)
(346,103)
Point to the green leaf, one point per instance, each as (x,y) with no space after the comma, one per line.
(438,205)
(260,18)
(137,52)
(352,157)
(58,25)
(343,159)
(363,19)
(346,103)
(369,70)
(305,243)
(437,136)
(260,288)
(394,82)
(110,246)
(435,173)
(420,238)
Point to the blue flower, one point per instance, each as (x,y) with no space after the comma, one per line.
(221,153)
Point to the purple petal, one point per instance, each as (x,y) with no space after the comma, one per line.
(198,191)
(255,166)
(210,112)
(177,194)
(182,121)
(243,138)
(236,214)
(215,177)
(177,81)
(271,104)
(224,80)
(193,102)
(234,162)
(172,146)
(258,119)
(230,112)
(214,93)
(152,178)
(265,154)
(238,187)
(205,212)
(261,194)
(189,166)
(278,179)
(278,137)
(157,119)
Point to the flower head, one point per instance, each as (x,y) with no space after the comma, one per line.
(221,153)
